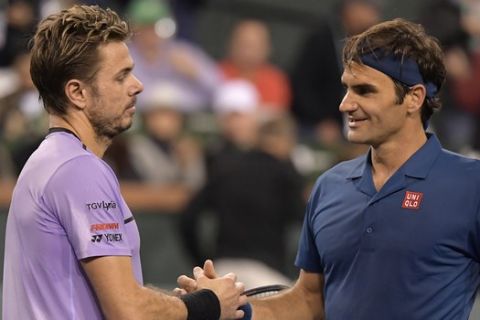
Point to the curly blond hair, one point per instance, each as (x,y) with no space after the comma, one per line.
(64,47)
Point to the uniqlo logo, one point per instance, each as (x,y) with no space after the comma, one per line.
(412,200)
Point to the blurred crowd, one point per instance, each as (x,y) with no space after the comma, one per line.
(239,137)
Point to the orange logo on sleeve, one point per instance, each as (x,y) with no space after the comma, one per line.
(104,226)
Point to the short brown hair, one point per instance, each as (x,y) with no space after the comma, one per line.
(65,46)
(406,40)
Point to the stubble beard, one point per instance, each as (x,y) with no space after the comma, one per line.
(106,129)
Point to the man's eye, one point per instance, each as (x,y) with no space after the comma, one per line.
(363,91)
(122,76)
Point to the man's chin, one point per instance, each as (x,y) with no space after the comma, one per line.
(127,124)
(124,128)
(354,138)
(113,132)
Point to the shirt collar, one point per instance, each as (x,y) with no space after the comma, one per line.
(417,166)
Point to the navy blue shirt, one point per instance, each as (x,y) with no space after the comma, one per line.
(409,251)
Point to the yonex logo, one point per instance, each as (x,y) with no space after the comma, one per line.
(412,200)
(108,237)
(97,238)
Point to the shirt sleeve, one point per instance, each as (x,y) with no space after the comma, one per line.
(308,257)
(84,196)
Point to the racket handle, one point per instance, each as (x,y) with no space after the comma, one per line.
(247,309)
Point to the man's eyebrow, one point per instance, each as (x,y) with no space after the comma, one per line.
(125,70)
(366,86)
(361,87)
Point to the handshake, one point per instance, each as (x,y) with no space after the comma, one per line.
(208,296)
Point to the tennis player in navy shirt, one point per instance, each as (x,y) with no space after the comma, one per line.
(395,233)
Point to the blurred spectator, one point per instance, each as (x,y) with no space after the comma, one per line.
(357,16)
(117,5)
(163,154)
(186,16)
(236,108)
(254,198)
(22,123)
(248,58)
(464,67)
(456,25)
(21,19)
(185,11)
(47,7)
(317,90)
(236,105)
(3,25)
(7,171)
(159,56)
(443,19)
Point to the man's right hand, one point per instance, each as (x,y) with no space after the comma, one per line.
(227,289)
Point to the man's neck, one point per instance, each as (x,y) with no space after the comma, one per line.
(388,157)
(83,130)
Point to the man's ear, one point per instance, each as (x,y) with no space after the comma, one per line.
(75,91)
(415,98)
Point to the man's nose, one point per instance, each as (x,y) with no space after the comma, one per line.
(348,104)
(138,86)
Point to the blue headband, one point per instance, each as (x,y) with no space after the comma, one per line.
(403,70)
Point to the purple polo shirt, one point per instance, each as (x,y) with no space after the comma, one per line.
(66,206)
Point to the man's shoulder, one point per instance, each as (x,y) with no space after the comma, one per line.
(458,162)
(346,168)
(342,171)
(60,149)
(458,166)
(55,157)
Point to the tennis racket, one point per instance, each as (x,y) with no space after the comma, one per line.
(264,291)
(260,292)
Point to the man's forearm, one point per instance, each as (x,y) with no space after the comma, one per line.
(197,305)
(157,304)
(146,304)
(286,306)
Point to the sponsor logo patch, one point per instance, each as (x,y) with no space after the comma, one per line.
(108,237)
(96,238)
(106,205)
(104,226)
(113,237)
(412,200)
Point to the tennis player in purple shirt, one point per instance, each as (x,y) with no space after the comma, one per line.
(72,245)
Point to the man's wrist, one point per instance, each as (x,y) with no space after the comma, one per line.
(202,304)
